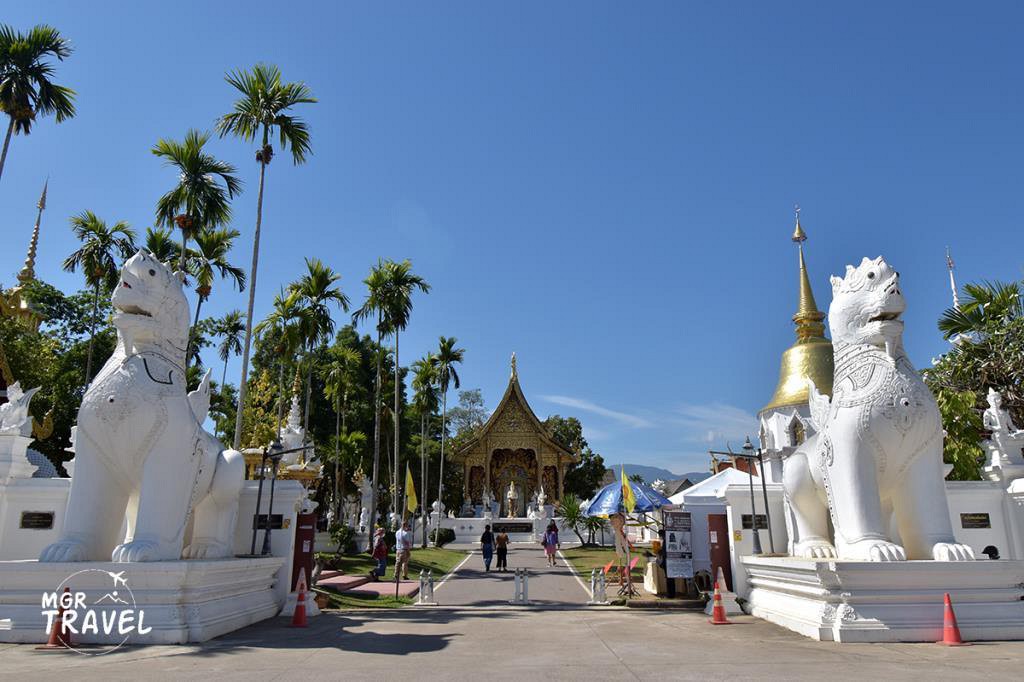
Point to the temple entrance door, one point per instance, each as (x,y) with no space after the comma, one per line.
(523,490)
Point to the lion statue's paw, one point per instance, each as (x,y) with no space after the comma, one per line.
(205,549)
(815,548)
(951,551)
(64,550)
(136,550)
(875,550)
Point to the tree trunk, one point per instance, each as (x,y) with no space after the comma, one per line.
(395,416)
(7,143)
(440,474)
(423,478)
(252,301)
(337,461)
(191,332)
(280,397)
(223,376)
(376,441)
(92,332)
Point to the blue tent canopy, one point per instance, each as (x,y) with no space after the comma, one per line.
(609,499)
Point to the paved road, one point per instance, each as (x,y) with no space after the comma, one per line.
(470,585)
(521,644)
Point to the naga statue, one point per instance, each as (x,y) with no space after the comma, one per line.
(141,451)
(875,463)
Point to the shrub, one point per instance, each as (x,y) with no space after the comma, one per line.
(344,536)
(447,535)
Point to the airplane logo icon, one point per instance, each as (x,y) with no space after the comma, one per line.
(118,578)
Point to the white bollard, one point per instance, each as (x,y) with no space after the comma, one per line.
(526,586)
(426,594)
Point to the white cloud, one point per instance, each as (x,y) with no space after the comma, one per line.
(622,417)
(716,423)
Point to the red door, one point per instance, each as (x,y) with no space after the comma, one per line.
(718,540)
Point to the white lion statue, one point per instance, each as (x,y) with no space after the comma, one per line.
(141,451)
(875,462)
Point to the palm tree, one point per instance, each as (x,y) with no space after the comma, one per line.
(26,90)
(447,356)
(424,383)
(211,255)
(349,448)
(982,306)
(261,111)
(316,290)
(101,248)
(230,328)
(399,287)
(161,245)
(337,380)
(198,202)
(285,319)
(375,304)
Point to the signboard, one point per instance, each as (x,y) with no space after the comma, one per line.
(37,520)
(678,545)
(276,521)
(762,522)
(975,521)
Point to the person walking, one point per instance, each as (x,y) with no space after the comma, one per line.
(550,542)
(487,546)
(502,548)
(380,554)
(403,550)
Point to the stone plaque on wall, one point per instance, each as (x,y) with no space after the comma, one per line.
(35,520)
(975,521)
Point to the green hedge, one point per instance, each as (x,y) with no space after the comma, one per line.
(447,535)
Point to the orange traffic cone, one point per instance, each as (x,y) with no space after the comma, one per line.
(950,630)
(299,617)
(718,610)
(59,637)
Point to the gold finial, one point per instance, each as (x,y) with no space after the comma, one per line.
(28,271)
(515,374)
(798,232)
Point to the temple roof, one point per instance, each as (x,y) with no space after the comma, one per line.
(514,414)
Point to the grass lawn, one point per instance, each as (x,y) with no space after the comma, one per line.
(436,559)
(354,600)
(586,559)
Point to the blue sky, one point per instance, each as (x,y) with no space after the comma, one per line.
(604,188)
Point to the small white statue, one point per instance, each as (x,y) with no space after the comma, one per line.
(1007,440)
(14,417)
(488,498)
(307,505)
(364,519)
(542,498)
(141,441)
(877,455)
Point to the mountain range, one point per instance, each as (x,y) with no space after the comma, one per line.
(651,474)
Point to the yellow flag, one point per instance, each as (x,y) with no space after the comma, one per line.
(628,498)
(410,491)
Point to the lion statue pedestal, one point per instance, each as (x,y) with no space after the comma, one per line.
(872,543)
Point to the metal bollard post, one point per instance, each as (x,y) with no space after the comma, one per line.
(430,585)
(421,599)
(526,586)
(515,586)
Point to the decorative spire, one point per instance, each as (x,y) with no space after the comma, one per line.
(28,272)
(811,356)
(808,318)
(515,374)
(950,265)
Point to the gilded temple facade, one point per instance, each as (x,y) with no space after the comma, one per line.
(513,447)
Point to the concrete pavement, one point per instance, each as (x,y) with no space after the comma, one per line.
(506,643)
(470,585)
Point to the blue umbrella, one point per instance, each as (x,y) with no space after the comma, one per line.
(609,499)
